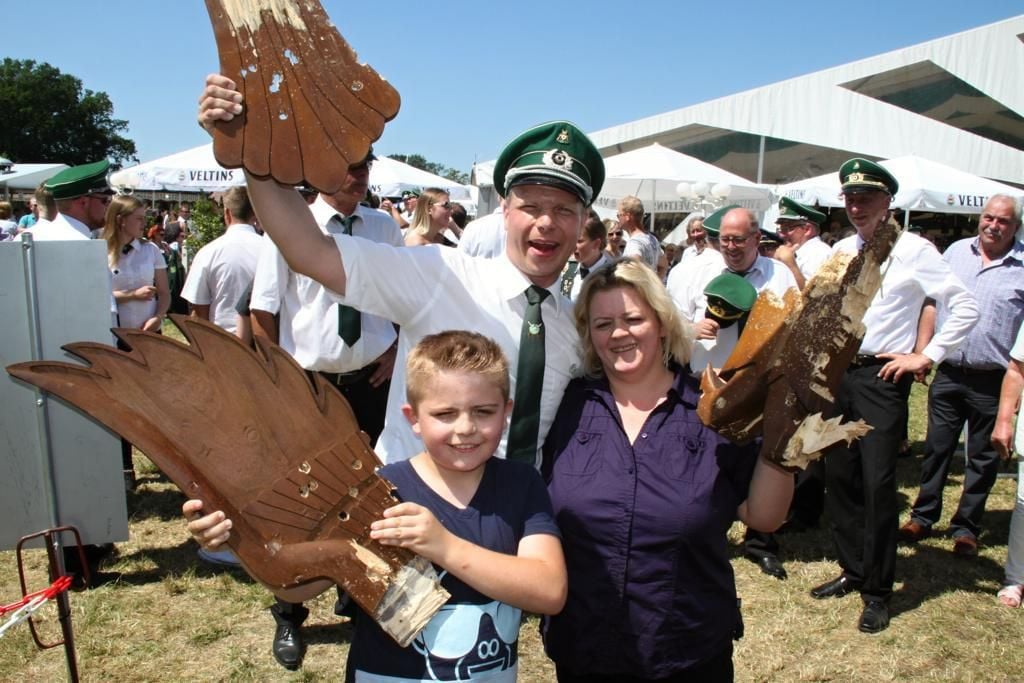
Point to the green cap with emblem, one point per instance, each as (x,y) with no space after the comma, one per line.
(792,210)
(555,153)
(770,238)
(729,296)
(857,175)
(713,223)
(80,180)
(409,194)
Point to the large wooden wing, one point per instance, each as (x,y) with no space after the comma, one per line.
(247,433)
(311,109)
(781,378)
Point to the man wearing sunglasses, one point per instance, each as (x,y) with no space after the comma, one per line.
(81,194)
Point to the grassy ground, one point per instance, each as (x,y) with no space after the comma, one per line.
(170,617)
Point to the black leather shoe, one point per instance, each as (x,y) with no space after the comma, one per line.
(875,617)
(836,588)
(770,565)
(288,646)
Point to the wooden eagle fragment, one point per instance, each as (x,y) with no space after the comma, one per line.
(788,363)
(310,108)
(246,433)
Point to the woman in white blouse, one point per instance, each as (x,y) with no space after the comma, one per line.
(138,267)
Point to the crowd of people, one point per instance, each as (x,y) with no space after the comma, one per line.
(530,381)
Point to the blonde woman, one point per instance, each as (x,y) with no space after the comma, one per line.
(137,267)
(432,215)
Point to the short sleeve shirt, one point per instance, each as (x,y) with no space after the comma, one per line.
(136,269)
(473,637)
(646,246)
(221,272)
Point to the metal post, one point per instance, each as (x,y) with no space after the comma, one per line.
(760,162)
(54,543)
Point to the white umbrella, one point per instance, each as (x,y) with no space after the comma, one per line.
(28,176)
(653,173)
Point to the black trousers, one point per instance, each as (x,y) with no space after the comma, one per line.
(955,397)
(861,480)
(369,404)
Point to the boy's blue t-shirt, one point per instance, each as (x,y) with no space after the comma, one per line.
(472,638)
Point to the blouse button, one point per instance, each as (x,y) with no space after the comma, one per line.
(643,435)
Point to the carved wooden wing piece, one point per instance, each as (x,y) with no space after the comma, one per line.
(311,109)
(247,433)
(782,376)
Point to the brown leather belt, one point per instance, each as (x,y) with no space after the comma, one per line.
(344,379)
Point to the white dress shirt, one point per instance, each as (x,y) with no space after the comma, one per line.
(484,236)
(221,273)
(432,289)
(577,278)
(136,269)
(811,255)
(308,324)
(62,227)
(914,271)
(686,282)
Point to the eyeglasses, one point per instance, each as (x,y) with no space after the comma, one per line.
(783,228)
(736,241)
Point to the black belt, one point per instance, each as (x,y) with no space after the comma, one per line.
(862,360)
(964,370)
(344,379)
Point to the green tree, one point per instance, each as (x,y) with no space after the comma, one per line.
(47,116)
(420,162)
(207,224)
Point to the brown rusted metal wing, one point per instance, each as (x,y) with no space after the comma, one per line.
(247,433)
(783,374)
(311,109)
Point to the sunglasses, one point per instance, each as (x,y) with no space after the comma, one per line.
(102,196)
(446,205)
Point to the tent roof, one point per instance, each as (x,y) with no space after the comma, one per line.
(958,97)
(28,176)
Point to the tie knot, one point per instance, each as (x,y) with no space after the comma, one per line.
(535,294)
(346,222)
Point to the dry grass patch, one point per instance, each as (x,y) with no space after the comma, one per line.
(171,617)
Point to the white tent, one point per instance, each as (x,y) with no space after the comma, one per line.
(652,174)
(28,176)
(924,186)
(195,170)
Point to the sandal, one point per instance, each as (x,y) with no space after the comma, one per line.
(1010,596)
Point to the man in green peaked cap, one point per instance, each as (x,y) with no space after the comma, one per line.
(547,176)
(803,251)
(81,194)
(861,477)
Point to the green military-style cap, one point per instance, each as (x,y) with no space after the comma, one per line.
(555,153)
(713,223)
(729,296)
(792,210)
(410,193)
(769,237)
(858,175)
(79,180)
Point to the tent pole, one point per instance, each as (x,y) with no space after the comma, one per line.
(760,161)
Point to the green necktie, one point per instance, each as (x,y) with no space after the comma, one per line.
(349,324)
(522,433)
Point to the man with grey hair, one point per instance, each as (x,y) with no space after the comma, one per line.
(967,383)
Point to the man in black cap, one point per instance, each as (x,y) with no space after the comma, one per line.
(81,194)
(861,477)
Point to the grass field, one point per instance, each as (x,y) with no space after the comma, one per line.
(170,617)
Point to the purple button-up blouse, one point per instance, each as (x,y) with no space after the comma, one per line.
(651,590)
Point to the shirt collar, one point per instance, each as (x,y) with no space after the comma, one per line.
(76,224)
(512,283)
(241,227)
(1016,251)
(685,387)
(324,212)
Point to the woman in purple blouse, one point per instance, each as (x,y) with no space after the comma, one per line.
(644,495)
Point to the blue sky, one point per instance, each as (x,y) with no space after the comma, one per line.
(473,74)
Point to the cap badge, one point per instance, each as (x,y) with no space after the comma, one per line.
(856,164)
(855,178)
(563,137)
(556,157)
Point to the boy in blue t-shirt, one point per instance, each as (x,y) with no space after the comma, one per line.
(485,523)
